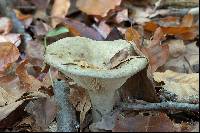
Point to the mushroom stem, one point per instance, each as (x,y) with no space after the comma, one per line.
(102,103)
(101,92)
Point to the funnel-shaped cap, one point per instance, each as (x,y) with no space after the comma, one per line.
(84,60)
(66,53)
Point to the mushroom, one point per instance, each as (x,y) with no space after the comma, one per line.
(85,61)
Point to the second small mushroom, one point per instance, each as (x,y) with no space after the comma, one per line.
(84,60)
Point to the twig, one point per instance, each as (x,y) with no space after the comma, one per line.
(66,117)
(160,106)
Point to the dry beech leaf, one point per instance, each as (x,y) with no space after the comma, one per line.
(185,31)
(11,37)
(118,58)
(41,28)
(97,7)
(9,53)
(154,122)
(5,97)
(21,16)
(27,82)
(43,111)
(122,16)
(6,110)
(180,63)
(35,52)
(187,21)
(155,51)
(60,9)
(81,101)
(176,47)
(77,28)
(182,84)
(133,35)
(103,28)
(5,25)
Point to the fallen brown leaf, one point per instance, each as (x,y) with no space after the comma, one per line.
(11,37)
(154,122)
(5,25)
(59,9)
(182,84)
(103,28)
(6,110)
(187,21)
(81,101)
(186,61)
(133,35)
(35,52)
(77,28)
(97,7)
(176,47)
(5,97)
(156,52)
(43,111)
(27,82)
(9,53)
(122,16)
(185,31)
(118,58)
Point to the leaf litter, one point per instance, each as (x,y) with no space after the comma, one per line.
(164,32)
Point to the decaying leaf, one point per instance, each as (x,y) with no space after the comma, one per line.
(81,101)
(21,16)
(5,97)
(35,51)
(77,28)
(43,110)
(9,53)
(182,84)
(6,110)
(41,28)
(185,62)
(59,9)
(11,37)
(133,35)
(103,28)
(176,47)
(156,52)
(154,122)
(186,30)
(118,58)
(97,7)
(187,21)
(28,82)
(5,25)
(122,16)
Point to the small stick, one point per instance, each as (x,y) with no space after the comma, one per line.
(66,116)
(160,106)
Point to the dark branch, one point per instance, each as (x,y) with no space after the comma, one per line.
(160,106)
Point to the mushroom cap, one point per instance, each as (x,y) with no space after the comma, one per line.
(69,54)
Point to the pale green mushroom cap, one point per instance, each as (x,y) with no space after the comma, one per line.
(64,55)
